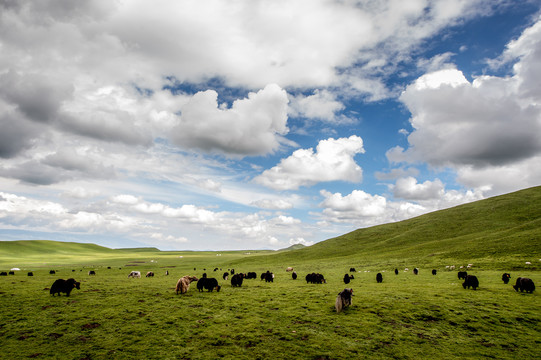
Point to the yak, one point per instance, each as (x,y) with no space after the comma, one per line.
(343,299)
(379,278)
(208,283)
(470,281)
(462,274)
(64,286)
(236,280)
(183,284)
(524,284)
(506,277)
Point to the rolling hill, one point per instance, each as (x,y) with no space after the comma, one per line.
(505,228)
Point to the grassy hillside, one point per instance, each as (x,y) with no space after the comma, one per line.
(19,253)
(504,230)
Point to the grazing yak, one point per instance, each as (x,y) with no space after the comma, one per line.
(462,274)
(396,271)
(208,283)
(135,274)
(434,271)
(150,274)
(506,277)
(470,281)
(3,273)
(346,279)
(269,277)
(251,275)
(352,269)
(183,284)
(416,271)
(30,273)
(524,284)
(52,272)
(379,278)
(343,299)
(236,280)
(91,272)
(315,278)
(64,286)
(225,276)
(294,275)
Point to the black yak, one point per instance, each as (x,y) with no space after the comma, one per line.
(225,276)
(416,271)
(269,277)
(346,279)
(236,280)
(470,281)
(524,284)
(379,278)
(294,275)
(462,274)
(343,299)
(434,271)
(506,277)
(396,271)
(315,278)
(208,283)
(64,286)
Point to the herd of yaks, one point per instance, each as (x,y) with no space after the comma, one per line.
(342,300)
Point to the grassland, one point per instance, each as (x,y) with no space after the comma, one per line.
(406,317)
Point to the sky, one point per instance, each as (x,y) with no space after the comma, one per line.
(259,124)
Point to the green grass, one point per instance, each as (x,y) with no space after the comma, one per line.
(405,317)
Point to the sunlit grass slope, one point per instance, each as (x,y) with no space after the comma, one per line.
(503,230)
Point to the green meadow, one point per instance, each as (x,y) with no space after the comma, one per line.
(407,316)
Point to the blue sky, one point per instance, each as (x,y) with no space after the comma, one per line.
(260,124)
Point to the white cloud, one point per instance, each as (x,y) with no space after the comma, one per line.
(321,105)
(333,160)
(362,209)
(409,189)
(273,204)
(489,126)
(301,241)
(252,126)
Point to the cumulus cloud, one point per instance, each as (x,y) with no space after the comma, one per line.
(333,160)
(300,240)
(321,105)
(408,188)
(460,123)
(252,126)
(363,209)
(483,126)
